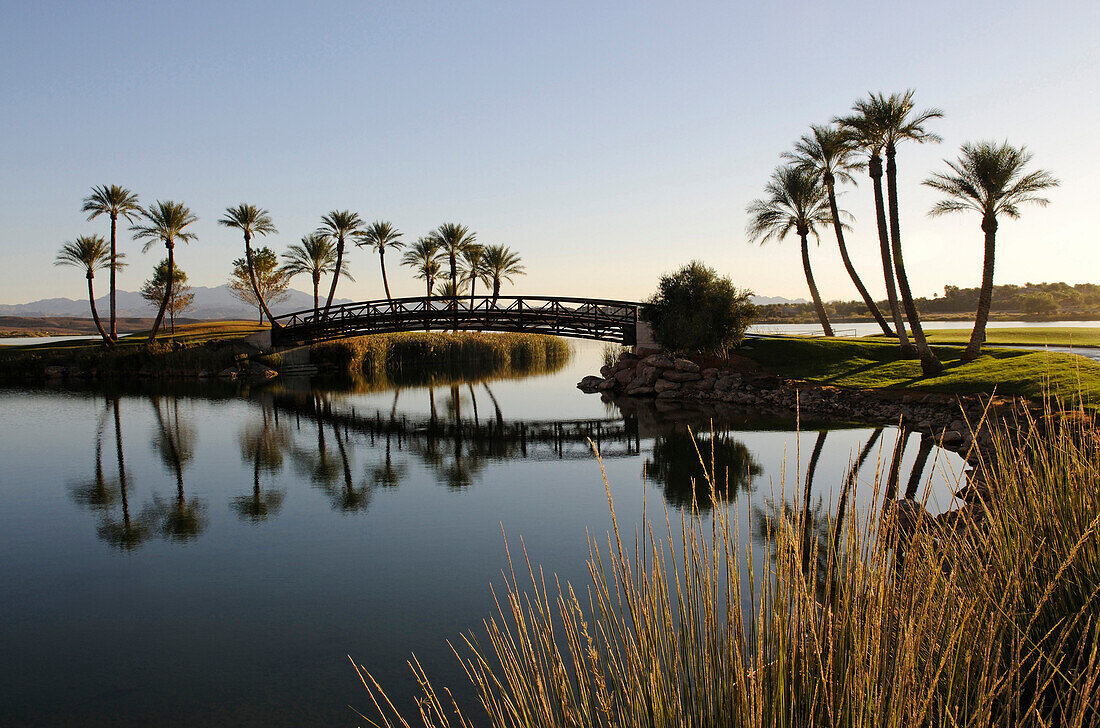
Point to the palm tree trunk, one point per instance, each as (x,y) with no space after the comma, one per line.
(167,293)
(255,286)
(818,307)
(114,264)
(875,167)
(95,314)
(385,282)
(496,290)
(930,365)
(985,297)
(473,284)
(316,299)
(454,290)
(335,273)
(839,230)
(819,444)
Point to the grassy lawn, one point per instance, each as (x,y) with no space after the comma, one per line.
(869,363)
(1027,335)
(185,334)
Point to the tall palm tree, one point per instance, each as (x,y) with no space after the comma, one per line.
(316,256)
(501,264)
(830,153)
(90,252)
(423,257)
(453,239)
(866,134)
(796,200)
(990,179)
(165,222)
(898,122)
(251,220)
(381,235)
(112,200)
(472,267)
(340,225)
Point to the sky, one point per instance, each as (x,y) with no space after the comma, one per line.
(606,143)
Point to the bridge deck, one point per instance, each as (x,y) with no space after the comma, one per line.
(583,318)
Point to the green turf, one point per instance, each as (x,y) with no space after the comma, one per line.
(184,334)
(1027,335)
(868,363)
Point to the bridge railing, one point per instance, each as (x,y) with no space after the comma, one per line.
(603,319)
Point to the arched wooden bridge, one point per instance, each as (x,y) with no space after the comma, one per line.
(581,318)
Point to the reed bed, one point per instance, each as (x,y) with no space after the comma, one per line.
(993,622)
(392,353)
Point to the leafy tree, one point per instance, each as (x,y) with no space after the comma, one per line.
(990,179)
(893,115)
(112,200)
(472,268)
(795,201)
(501,264)
(90,252)
(424,257)
(865,131)
(697,311)
(453,240)
(165,222)
(260,284)
(380,236)
(1039,304)
(830,153)
(446,289)
(339,225)
(315,256)
(180,298)
(252,220)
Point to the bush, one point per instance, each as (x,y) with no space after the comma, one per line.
(696,311)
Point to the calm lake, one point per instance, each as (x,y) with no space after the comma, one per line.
(185,556)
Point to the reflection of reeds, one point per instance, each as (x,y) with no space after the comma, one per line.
(975,627)
(413,358)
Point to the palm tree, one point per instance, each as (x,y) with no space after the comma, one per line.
(339,225)
(895,118)
(381,235)
(166,222)
(500,265)
(989,178)
(866,134)
(472,267)
(796,200)
(453,239)
(315,255)
(91,253)
(112,200)
(251,220)
(829,153)
(423,257)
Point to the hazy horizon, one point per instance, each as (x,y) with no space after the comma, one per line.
(606,145)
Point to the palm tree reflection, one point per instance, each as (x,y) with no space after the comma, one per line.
(262,445)
(174,441)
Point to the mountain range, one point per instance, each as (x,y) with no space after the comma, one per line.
(210,303)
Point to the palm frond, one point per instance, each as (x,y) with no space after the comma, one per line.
(112,200)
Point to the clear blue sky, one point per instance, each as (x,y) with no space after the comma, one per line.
(606,143)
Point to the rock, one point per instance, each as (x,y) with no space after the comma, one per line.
(951,437)
(605,371)
(660,361)
(624,375)
(664,385)
(647,375)
(639,391)
(678,376)
(590,384)
(607,384)
(227,373)
(710,373)
(726,383)
(54,372)
(685,365)
(668,394)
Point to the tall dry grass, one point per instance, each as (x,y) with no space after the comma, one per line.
(993,622)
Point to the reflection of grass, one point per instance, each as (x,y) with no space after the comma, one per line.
(876,364)
(1025,335)
(983,627)
(416,355)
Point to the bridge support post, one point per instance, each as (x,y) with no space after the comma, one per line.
(644,343)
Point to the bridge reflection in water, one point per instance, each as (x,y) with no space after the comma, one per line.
(579,318)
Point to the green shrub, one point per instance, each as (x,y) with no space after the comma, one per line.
(696,311)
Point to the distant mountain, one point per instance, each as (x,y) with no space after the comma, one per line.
(210,303)
(767,300)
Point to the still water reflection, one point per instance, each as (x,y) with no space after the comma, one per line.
(210,557)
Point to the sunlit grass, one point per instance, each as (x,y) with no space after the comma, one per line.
(850,626)
(1025,335)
